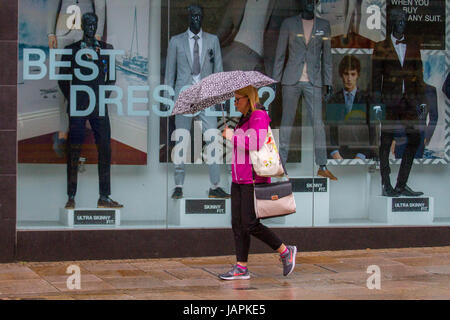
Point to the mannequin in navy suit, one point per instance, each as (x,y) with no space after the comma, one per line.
(99,123)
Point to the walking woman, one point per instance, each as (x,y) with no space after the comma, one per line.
(250,133)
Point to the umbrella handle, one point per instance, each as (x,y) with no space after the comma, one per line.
(223,116)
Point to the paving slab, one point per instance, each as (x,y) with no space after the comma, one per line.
(405,273)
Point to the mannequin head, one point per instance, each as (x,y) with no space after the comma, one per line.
(398,22)
(89,25)
(195,18)
(308,7)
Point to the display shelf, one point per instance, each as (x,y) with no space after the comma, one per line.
(441,221)
(352,222)
(124,224)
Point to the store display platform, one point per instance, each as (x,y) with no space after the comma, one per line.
(83,217)
(402,210)
(310,193)
(200,212)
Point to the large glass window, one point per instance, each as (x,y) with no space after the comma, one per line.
(359,111)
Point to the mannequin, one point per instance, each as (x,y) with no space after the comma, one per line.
(307,73)
(61,16)
(398,83)
(308,14)
(191,56)
(99,124)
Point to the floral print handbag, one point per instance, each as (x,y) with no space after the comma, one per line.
(266,161)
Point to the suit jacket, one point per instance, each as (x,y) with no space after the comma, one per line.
(103,78)
(426,129)
(362,133)
(388,76)
(58,11)
(277,11)
(316,55)
(179,60)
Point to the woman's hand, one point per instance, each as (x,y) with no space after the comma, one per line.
(227,133)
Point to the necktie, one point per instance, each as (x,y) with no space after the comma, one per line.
(196,64)
(348,102)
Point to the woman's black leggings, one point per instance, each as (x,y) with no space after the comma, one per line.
(245,223)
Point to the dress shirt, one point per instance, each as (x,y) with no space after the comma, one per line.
(307,29)
(197,78)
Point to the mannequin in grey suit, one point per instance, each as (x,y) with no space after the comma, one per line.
(306,39)
(192,56)
(63,29)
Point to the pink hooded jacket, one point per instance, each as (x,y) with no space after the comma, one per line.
(249,134)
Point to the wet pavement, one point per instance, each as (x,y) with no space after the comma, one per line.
(409,273)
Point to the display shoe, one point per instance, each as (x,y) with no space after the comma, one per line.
(326,174)
(107,202)
(407,192)
(388,191)
(70,204)
(218,193)
(177,193)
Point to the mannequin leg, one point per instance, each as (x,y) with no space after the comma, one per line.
(313,101)
(182,122)
(291,95)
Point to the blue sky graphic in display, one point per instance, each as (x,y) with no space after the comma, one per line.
(33,23)
(434,70)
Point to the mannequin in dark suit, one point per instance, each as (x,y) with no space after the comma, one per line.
(398,83)
(348,115)
(77,124)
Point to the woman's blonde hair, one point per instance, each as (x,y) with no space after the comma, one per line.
(252,95)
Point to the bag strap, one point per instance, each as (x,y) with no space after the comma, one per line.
(282,164)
